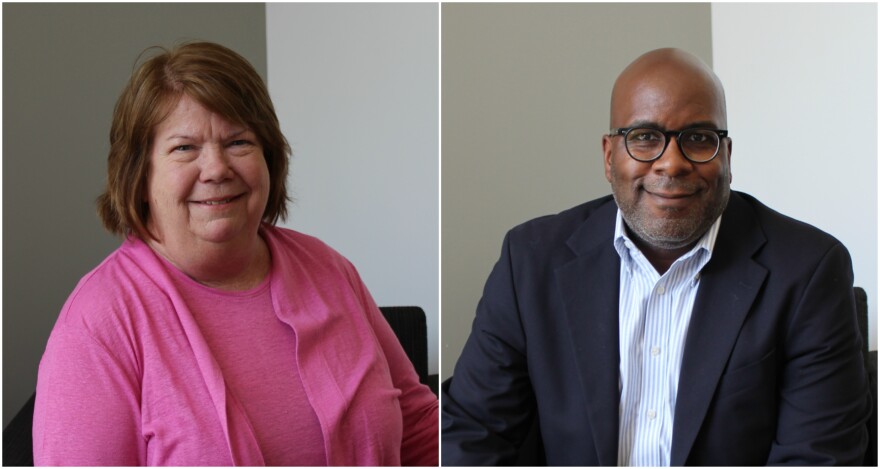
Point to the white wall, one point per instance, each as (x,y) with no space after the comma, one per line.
(356,89)
(801,82)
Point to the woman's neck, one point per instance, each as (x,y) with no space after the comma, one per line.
(222,266)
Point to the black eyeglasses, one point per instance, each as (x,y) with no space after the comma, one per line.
(646,144)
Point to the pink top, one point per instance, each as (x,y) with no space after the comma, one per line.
(138,372)
(278,408)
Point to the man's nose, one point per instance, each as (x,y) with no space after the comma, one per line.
(673,162)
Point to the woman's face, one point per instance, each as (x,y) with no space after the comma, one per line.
(208,180)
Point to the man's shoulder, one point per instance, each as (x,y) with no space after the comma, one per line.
(781,228)
(555,231)
(565,221)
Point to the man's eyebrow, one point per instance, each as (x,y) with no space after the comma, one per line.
(701,125)
(646,124)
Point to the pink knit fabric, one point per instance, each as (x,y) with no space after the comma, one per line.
(128,377)
(262,374)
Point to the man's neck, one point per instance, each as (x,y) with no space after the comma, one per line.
(660,258)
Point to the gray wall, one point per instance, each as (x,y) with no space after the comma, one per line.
(63,68)
(526,92)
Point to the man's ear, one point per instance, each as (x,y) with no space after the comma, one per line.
(729,156)
(607,145)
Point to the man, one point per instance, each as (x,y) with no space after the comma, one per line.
(677,323)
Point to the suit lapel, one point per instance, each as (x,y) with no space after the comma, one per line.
(589,290)
(728,287)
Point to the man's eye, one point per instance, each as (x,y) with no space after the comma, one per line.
(645,137)
(697,138)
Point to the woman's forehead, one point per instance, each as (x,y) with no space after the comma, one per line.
(188,115)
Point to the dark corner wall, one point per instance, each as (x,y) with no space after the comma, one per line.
(63,68)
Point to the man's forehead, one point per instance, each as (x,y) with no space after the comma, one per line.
(666,106)
(664,81)
(664,72)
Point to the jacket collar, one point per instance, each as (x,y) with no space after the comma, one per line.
(728,287)
(589,285)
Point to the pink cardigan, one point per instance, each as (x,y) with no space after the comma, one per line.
(128,379)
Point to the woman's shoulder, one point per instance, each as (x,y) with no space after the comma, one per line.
(303,247)
(306,260)
(122,282)
(293,238)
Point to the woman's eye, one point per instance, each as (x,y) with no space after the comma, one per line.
(241,143)
(183,148)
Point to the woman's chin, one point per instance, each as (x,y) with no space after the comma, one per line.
(224,231)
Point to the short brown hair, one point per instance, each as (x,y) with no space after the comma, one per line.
(217,78)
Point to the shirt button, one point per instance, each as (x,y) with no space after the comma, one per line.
(655,351)
(661,290)
(651,414)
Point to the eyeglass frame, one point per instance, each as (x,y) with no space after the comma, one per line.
(668,134)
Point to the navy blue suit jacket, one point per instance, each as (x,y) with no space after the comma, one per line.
(772,371)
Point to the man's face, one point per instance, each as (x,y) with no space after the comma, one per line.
(669,202)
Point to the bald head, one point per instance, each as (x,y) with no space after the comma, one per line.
(679,75)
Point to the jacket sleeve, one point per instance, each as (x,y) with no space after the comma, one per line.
(87,409)
(823,395)
(488,404)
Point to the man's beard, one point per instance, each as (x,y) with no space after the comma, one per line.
(679,229)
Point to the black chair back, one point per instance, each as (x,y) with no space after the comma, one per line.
(870,359)
(18,448)
(411,328)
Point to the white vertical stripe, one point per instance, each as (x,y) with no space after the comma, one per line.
(655,312)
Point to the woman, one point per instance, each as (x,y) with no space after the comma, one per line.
(212,337)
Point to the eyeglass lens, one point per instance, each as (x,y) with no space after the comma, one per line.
(648,144)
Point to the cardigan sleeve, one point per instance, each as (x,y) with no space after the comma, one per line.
(87,409)
(419,406)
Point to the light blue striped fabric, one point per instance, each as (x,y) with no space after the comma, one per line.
(654,314)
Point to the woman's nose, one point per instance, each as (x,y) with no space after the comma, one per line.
(215,164)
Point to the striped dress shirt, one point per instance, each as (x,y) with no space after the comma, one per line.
(654,314)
